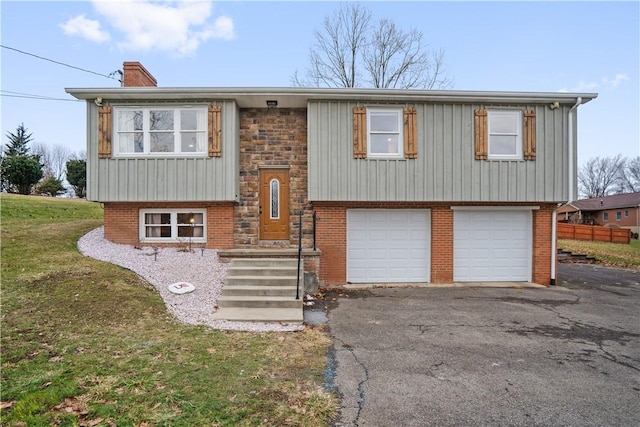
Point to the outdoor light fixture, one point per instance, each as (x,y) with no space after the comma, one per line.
(272,103)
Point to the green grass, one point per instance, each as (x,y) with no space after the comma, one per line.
(89,343)
(609,253)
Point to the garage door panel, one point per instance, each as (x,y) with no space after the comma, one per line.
(492,245)
(388,245)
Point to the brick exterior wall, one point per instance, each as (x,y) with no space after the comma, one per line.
(272,137)
(542,241)
(332,238)
(122,222)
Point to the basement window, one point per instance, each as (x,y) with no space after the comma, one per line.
(172,225)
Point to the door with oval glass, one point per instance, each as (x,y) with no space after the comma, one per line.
(274,204)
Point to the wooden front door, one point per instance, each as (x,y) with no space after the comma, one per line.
(274,204)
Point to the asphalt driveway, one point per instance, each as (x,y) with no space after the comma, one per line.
(567,355)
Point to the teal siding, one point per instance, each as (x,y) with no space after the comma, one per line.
(165,179)
(445,170)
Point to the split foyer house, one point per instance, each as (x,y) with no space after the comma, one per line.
(406,185)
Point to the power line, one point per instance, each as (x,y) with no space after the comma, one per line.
(12,94)
(59,63)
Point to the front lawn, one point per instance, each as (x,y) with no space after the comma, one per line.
(89,343)
(610,253)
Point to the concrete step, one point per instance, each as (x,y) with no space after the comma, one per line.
(259,290)
(261,271)
(281,315)
(259,280)
(569,257)
(264,302)
(264,262)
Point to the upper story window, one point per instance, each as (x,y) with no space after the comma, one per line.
(505,134)
(618,216)
(605,216)
(626,213)
(160,130)
(385,133)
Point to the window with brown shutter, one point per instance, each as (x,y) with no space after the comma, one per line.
(215,131)
(104,132)
(481,141)
(529,135)
(410,133)
(359,133)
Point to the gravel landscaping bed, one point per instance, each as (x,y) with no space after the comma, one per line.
(200,268)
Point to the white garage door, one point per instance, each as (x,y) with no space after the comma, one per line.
(388,245)
(492,246)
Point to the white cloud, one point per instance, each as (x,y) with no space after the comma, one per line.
(87,28)
(615,82)
(604,83)
(176,27)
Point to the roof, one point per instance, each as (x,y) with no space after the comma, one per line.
(628,200)
(295,97)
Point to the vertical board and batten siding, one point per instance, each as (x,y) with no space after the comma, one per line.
(445,169)
(166,178)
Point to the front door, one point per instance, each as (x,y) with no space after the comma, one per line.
(274,204)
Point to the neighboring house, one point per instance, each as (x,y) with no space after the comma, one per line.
(407,185)
(620,210)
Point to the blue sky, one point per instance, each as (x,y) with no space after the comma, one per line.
(511,46)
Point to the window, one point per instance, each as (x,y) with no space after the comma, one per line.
(505,134)
(626,213)
(618,216)
(160,130)
(605,216)
(170,225)
(275,199)
(384,128)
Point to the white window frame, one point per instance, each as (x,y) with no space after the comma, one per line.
(399,113)
(605,216)
(174,226)
(618,215)
(517,115)
(146,131)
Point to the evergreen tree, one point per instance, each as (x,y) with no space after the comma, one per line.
(18,144)
(77,176)
(50,186)
(20,173)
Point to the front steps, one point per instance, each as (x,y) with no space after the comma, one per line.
(261,290)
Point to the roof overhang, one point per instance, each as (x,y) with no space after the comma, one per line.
(299,97)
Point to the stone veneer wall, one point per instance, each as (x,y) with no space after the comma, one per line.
(272,137)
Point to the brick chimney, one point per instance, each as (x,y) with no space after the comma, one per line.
(136,75)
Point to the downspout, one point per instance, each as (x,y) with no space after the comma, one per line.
(571,138)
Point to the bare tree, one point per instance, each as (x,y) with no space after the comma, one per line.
(351,51)
(599,176)
(53,158)
(630,176)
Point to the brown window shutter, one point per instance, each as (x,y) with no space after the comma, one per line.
(104,132)
(529,135)
(482,143)
(215,131)
(410,133)
(359,133)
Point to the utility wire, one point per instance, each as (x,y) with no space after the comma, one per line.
(57,62)
(12,94)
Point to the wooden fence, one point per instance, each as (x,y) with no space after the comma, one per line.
(593,232)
